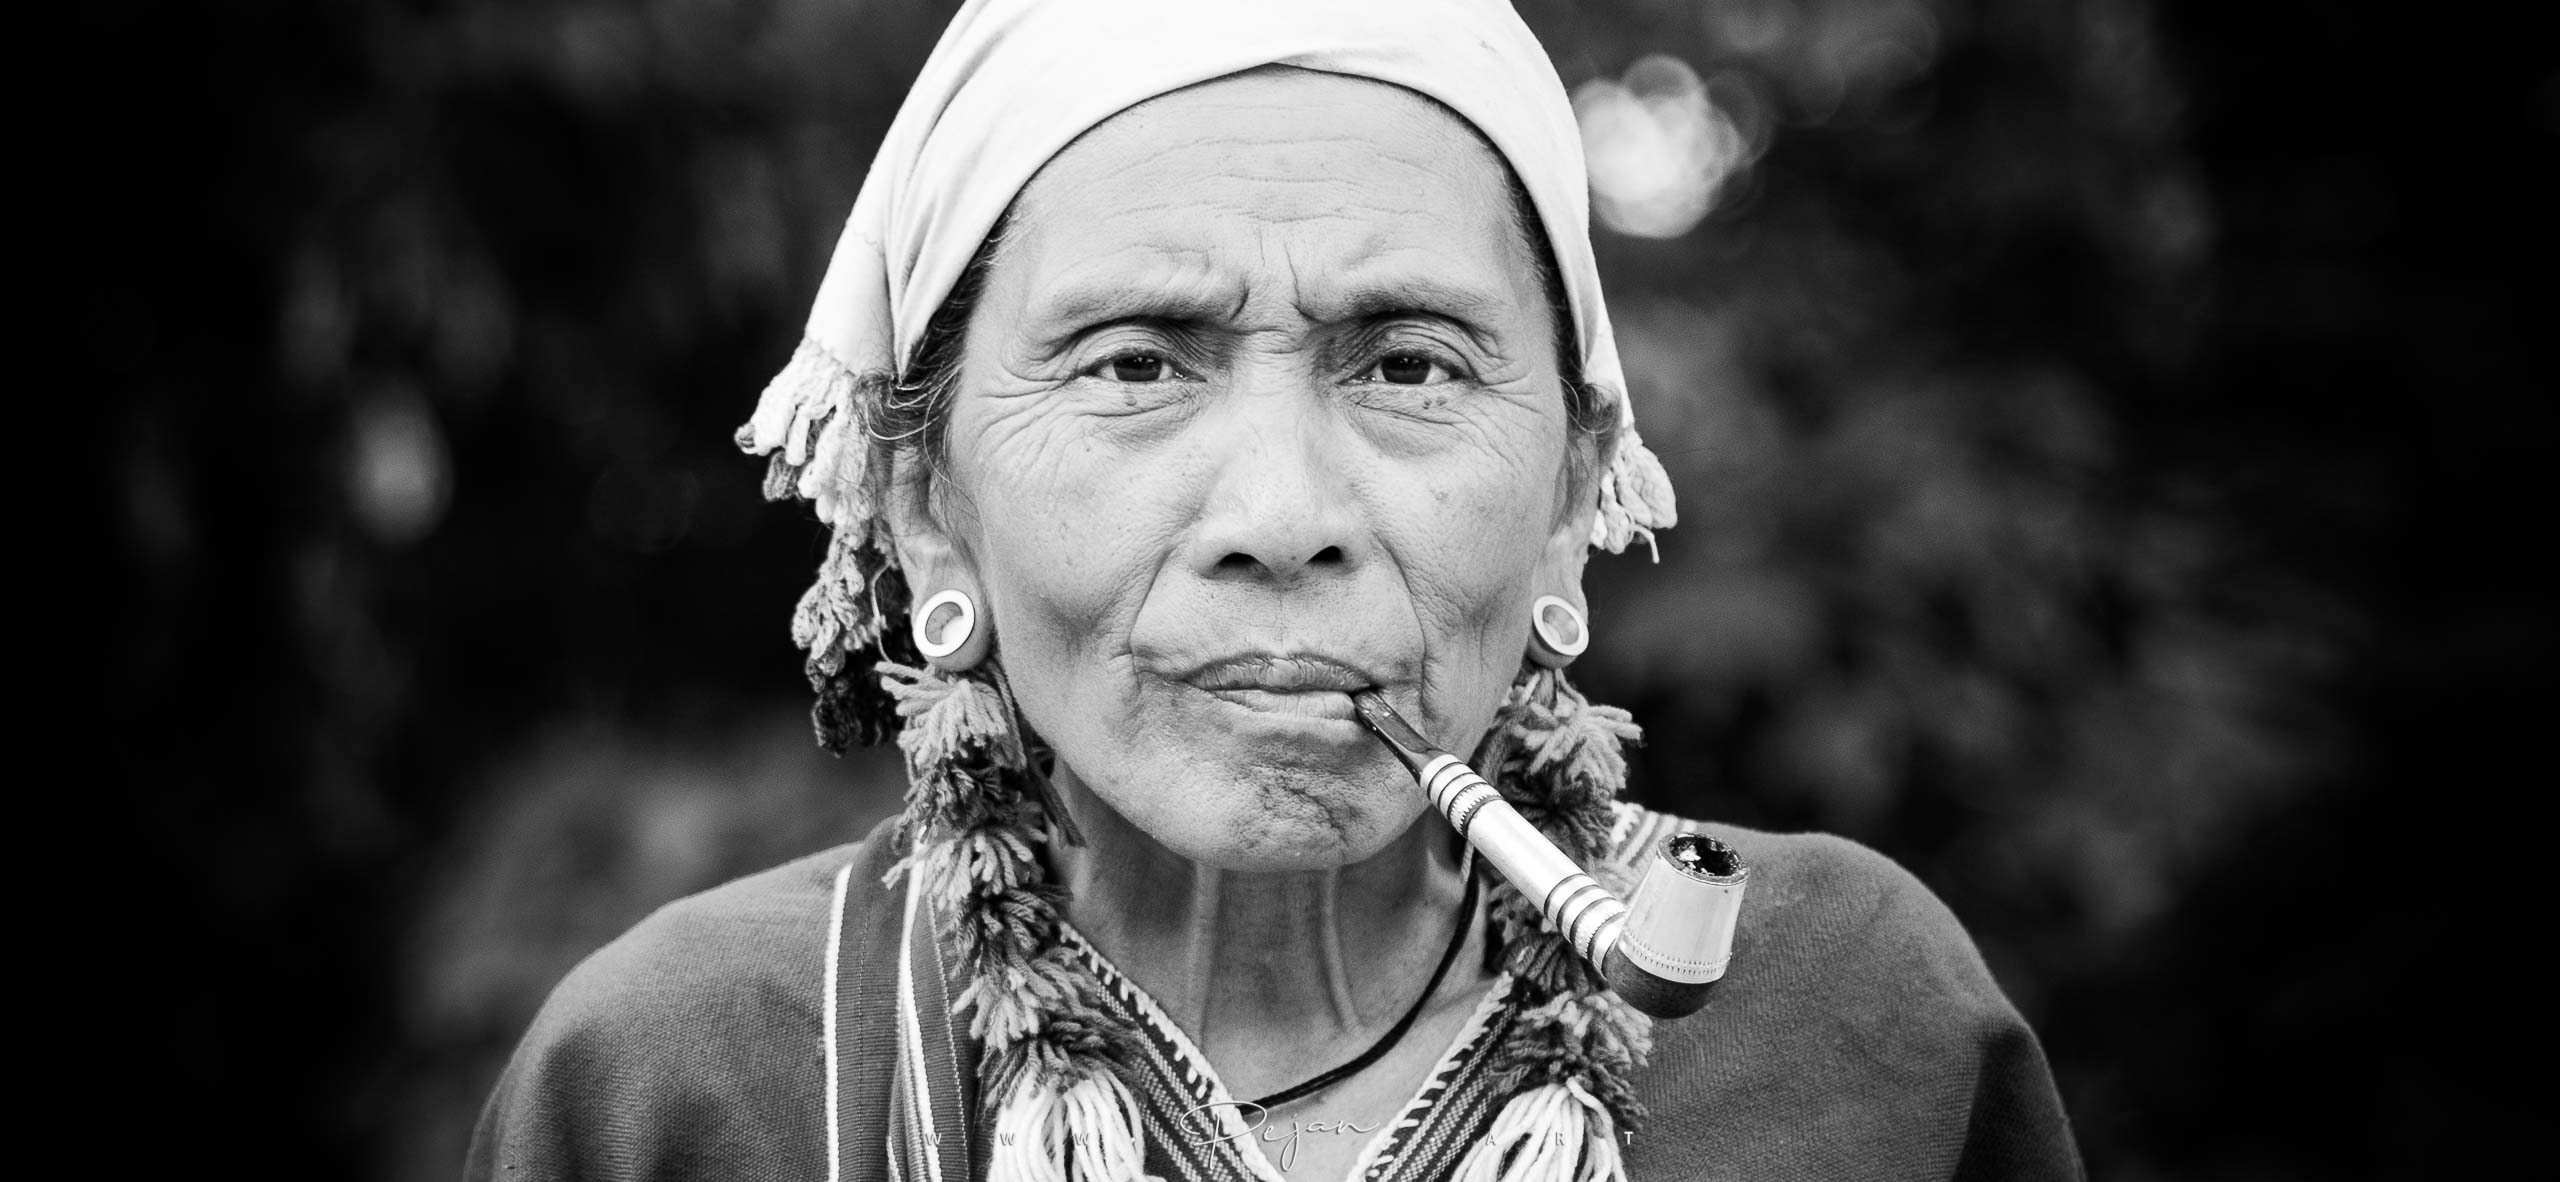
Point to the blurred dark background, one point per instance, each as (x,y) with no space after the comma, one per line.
(2103,429)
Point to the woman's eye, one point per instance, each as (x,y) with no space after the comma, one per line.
(1137,368)
(1407,369)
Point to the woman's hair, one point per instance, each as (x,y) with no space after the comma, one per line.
(910,423)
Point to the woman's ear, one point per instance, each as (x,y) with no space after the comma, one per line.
(1559,623)
(948,612)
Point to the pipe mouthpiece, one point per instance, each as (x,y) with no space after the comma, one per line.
(1400,736)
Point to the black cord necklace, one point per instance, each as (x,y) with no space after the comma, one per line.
(1457,939)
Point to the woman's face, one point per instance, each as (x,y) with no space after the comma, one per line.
(1259,405)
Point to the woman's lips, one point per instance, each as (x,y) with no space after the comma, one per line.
(1303,686)
(1332,704)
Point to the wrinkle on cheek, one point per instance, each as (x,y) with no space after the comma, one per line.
(1491,447)
(1479,439)
(1080,553)
(1071,700)
(1132,588)
(1464,575)
(1523,425)
(1010,450)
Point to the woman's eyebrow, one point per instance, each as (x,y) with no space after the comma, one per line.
(1475,311)
(1075,307)
(1474,307)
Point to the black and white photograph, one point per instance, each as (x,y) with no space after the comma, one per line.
(1318,590)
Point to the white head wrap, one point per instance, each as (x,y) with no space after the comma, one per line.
(1013,82)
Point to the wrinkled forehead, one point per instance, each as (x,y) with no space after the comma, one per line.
(1347,174)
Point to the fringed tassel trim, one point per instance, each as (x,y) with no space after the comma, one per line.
(1559,757)
(810,421)
(951,719)
(1087,1131)
(1635,498)
(963,758)
(838,614)
(1564,757)
(973,823)
(1551,1133)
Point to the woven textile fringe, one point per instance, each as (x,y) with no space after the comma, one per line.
(836,614)
(1560,759)
(971,825)
(1088,1132)
(1635,498)
(812,422)
(810,419)
(1550,1133)
(1565,758)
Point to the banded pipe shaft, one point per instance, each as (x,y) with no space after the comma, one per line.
(1663,952)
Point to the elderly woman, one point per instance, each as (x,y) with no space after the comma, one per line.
(1187,368)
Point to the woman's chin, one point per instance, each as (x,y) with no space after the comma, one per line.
(1288,825)
(1286,848)
(1250,786)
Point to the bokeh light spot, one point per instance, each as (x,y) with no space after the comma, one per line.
(1659,148)
(399,476)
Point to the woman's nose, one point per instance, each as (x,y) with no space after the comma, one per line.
(1279,508)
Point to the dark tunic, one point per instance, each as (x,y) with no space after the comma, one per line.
(1857,1035)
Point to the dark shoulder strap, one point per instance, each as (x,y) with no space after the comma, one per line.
(862,997)
(935,1071)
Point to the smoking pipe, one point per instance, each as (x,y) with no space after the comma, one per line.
(1663,950)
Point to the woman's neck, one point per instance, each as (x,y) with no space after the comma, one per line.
(1271,974)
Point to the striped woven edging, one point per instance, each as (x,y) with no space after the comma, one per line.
(1172,1082)
(1638,830)
(1453,1107)
(915,1116)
